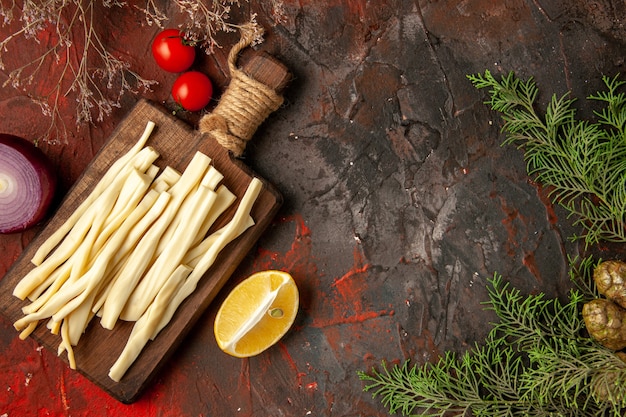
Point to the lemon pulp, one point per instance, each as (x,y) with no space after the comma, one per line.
(256,313)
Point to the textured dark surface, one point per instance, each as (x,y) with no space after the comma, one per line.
(399,199)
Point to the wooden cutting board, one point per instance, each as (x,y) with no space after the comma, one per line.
(99,348)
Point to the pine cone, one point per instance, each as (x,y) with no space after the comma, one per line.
(606,323)
(610,278)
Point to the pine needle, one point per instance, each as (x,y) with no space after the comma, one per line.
(536,361)
(582,163)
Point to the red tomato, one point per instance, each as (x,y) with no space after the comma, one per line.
(171,51)
(192,90)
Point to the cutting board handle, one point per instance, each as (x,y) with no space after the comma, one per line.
(253,94)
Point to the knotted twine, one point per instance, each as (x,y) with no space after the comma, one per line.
(244,105)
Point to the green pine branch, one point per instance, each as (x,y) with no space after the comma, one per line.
(582,163)
(536,361)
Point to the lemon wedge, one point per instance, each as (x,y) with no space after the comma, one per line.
(256,313)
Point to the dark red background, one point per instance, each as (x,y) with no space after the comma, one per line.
(399,199)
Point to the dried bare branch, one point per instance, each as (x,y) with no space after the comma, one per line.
(78,60)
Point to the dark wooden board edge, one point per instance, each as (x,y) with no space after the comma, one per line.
(158,352)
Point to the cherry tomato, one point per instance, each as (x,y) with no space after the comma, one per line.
(171,52)
(192,90)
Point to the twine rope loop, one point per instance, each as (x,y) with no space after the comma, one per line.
(244,105)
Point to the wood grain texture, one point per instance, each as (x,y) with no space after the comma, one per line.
(99,348)
(267,70)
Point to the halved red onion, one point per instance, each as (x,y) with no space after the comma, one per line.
(27,184)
